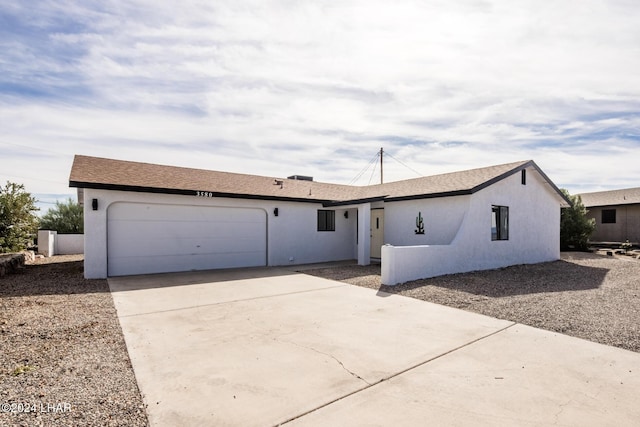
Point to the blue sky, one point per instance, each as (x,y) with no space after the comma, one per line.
(317,87)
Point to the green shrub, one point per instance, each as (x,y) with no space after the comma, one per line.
(575,227)
(18,223)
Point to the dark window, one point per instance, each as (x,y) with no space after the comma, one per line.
(326,220)
(524,177)
(499,223)
(608,216)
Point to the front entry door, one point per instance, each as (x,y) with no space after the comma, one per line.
(377,232)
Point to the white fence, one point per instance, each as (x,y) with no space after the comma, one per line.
(405,263)
(51,243)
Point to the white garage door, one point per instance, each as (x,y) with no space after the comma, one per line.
(155,238)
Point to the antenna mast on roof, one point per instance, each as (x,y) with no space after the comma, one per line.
(374,162)
(381,165)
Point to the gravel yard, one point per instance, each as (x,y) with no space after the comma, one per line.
(584,295)
(62,352)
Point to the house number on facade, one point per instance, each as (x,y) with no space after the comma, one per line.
(204,194)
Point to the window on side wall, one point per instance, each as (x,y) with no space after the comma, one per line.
(608,216)
(499,223)
(326,220)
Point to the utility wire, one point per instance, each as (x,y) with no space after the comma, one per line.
(35,179)
(34,148)
(403,164)
(374,162)
(373,171)
(368,165)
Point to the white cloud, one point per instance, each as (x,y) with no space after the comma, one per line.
(316,87)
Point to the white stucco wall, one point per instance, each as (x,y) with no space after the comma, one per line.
(51,243)
(442,218)
(534,234)
(69,244)
(534,223)
(292,236)
(364,230)
(47,242)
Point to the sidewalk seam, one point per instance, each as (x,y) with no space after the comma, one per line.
(398,373)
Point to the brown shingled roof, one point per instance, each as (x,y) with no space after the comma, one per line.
(94,172)
(467,181)
(627,196)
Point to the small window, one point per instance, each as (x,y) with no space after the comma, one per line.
(499,223)
(523,177)
(326,220)
(608,216)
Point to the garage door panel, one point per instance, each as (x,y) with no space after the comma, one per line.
(149,238)
(196,228)
(171,263)
(181,246)
(163,229)
(179,213)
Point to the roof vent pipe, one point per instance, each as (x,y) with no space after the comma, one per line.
(300,177)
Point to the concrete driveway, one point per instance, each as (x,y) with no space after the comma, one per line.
(264,347)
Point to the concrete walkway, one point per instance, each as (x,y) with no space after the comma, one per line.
(264,347)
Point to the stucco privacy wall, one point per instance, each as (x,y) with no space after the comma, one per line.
(534,234)
(51,243)
(46,242)
(69,244)
(291,234)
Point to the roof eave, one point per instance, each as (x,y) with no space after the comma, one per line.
(517,169)
(182,192)
(428,195)
(336,203)
(564,198)
(601,205)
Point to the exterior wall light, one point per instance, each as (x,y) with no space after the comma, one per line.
(346,214)
(275,212)
(94,204)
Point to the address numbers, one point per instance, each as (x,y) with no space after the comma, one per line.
(204,194)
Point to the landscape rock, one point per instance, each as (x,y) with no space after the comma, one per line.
(10,263)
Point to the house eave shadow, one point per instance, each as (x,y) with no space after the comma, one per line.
(195,277)
(526,279)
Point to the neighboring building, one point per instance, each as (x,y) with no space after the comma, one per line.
(142,218)
(617,215)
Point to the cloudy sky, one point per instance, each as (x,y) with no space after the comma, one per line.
(281,87)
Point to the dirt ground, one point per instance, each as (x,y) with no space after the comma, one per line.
(63,359)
